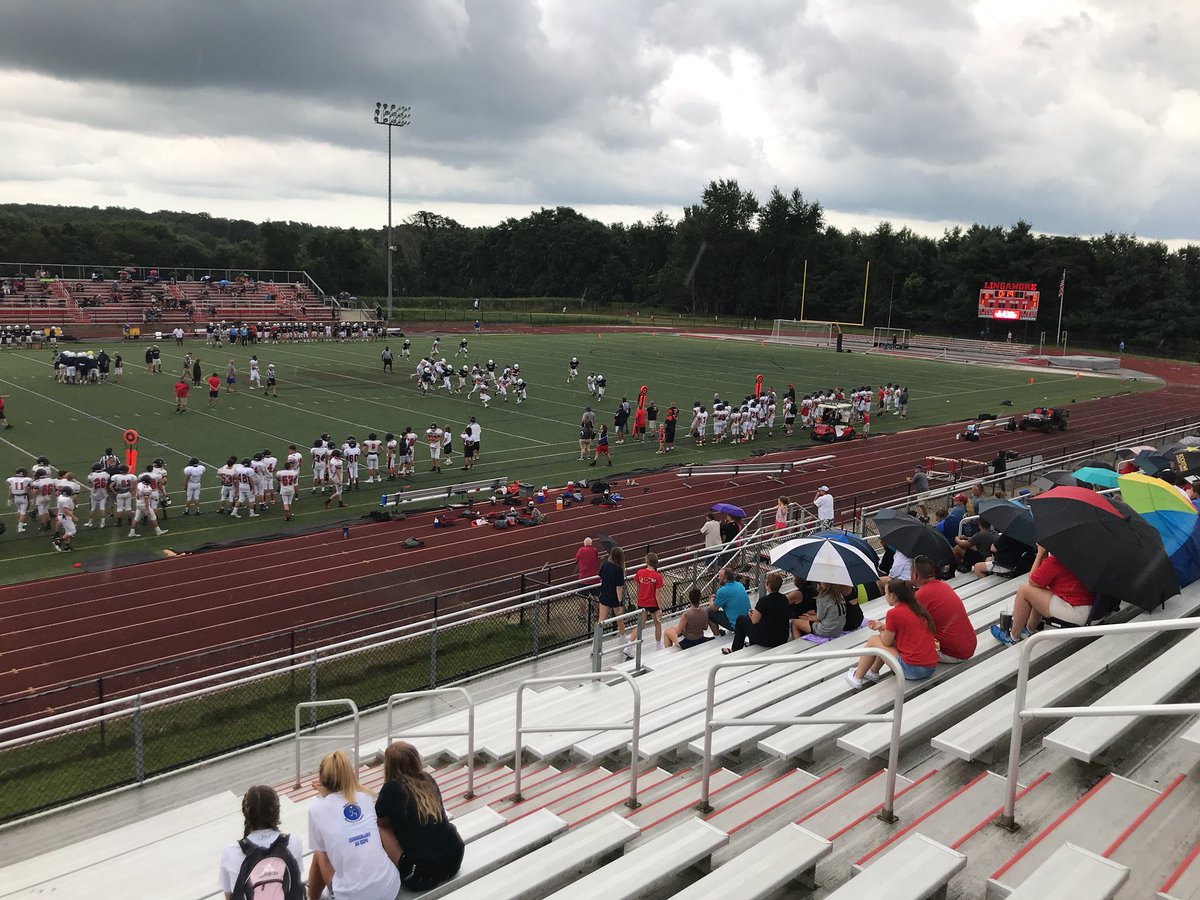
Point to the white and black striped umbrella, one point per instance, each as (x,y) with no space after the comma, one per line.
(820,559)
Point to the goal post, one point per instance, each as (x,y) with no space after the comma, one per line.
(890,338)
(799,331)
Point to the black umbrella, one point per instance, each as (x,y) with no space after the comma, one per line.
(1010,517)
(1108,547)
(1096,464)
(1055,478)
(1187,462)
(1152,463)
(912,537)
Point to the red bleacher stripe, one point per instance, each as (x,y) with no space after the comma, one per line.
(850,790)
(870,812)
(921,818)
(991,817)
(1145,814)
(1066,814)
(647,827)
(735,829)
(1183,867)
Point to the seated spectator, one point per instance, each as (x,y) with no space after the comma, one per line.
(828,619)
(958,512)
(953,629)
(348,853)
(766,624)
(692,625)
(945,526)
(1006,559)
(282,856)
(1052,591)
(417,834)
(899,567)
(729,603)
(976,548)
(908,629)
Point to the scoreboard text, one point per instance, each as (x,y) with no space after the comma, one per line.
(1012,300)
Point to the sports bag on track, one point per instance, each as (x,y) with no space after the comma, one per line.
(268,873)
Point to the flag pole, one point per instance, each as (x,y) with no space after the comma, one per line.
(1062,288)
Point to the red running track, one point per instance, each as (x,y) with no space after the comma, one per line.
(72,630)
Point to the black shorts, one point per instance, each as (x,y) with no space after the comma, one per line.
(610,602)
(214,394)
(468,450)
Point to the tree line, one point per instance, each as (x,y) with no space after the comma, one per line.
(730,254)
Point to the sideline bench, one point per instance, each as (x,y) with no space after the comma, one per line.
(1086,875)
(734,471)
(444,494)
(915,869)
(787,856)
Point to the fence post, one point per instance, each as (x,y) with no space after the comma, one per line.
(312,687)
(695,565)
(292,653)
(534,621)
(433,632)
(139,741)
(637,659)
(100,699)
(597,646)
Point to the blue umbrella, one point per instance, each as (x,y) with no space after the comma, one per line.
(818,559)
(1093,475)
(729,509)
(849,537)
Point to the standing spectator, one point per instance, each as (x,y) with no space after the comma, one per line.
(955,634)
(3,416)
(197,373)
(918,481)
(692,625)
(417,834)
(231,378)
(182,388)
(650,585)
(711,532)
(214,389)
(348,854)
(612,593)
(587,562)
(602,447)
(1054,591)
(620,420)
(260,817)
(639,424)
(823,501)
(728,604)
(909,629)
(767,624)
(782,511)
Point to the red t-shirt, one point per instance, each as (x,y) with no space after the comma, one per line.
(182,388)
(639,418)
(914,641)
(1060,581)
(214,383)
(954,629)
(648,582)
(588,561)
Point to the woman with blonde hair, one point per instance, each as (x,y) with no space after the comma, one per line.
(348,856)
(417,833)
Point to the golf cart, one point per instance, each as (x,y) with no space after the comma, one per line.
(1045,419)
(831,422)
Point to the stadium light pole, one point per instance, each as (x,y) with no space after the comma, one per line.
(392,116)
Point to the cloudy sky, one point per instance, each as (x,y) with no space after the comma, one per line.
(1080,117)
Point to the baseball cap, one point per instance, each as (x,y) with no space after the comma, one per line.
(958,497)
(823,487)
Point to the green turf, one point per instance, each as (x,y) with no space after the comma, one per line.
(340,388)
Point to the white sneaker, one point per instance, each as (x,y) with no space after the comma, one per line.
(132,532)
(872,677)
(628,651)
(253,514)
(160,531)
(855,683)
(658,645)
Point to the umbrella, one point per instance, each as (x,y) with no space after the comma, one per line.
(1097,464)
(1055,478)
(849,537)
(820,559)
(1105,478)
(912,537)
(1191,442)
(729,509)
(1011,518)
(1134,451)
(1151,462)
(1187,462)
(1172,515)
(1106,545)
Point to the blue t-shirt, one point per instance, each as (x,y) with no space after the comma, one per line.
(733,599)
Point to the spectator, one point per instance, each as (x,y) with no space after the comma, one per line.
(1052,591)
(612,592)
(955,634)
(416,832)
(692,625)
(828,619)
(781,513)
(767,624)
(958,512)
(730,528)
(900,568)
(908,629)
(824,504)
(650,585)
(711,532)
(1008,558)
(587,560)
(918,481)
(945,526)
(348,854)
(260,817)
(730,602)
(976,548)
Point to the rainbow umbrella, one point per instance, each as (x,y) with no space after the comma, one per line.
(1172,515)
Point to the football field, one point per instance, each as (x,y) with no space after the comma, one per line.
(340,388)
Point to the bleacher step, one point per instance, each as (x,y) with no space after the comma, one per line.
(850,807)
(1088,875)
(736,814)
(612,796)
(1184,882)
(914,869)
(1096,821)
(541,794)
(681,801)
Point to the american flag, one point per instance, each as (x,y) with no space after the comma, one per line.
(1062,285)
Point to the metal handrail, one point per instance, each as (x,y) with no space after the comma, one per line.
(886,814)
(1007,818)
(635,726)
(469,732)
(314,704)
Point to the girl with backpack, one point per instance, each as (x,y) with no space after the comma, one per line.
(349,856)
(264,863)
(417,834)
(908,631)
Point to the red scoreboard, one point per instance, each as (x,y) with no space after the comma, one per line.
(1011,300)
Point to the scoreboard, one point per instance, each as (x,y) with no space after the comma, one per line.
(1009,300)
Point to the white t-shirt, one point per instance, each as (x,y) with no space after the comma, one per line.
(349,835)
(824,504)
(901,566)
(193,474)
(232,857)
